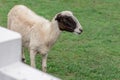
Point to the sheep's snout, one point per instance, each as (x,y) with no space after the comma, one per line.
(81,30)
(78,31)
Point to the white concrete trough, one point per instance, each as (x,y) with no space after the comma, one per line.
(11,67)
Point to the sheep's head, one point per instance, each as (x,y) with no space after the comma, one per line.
(68,22)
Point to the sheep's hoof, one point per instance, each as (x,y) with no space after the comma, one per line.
(23,60)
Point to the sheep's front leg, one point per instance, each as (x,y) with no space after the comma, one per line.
(32,57)
(44,62)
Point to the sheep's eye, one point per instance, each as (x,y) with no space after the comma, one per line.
(69,21)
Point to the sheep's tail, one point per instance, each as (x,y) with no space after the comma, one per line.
(9,19)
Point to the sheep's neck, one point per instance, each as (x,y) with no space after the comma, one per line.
(54,33)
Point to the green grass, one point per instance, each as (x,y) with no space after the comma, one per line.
(94,55)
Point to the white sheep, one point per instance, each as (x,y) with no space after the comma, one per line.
(38,33)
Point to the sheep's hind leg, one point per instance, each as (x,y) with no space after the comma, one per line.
(23,56)
(44,62)
(32,57)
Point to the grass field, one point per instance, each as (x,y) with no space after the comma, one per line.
(94,55)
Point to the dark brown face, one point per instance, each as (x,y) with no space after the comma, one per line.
(66,23)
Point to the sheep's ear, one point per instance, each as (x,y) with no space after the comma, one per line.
(58,18)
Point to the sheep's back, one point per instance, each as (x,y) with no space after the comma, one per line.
(21,19)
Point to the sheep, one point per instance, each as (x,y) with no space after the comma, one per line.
(38,33)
